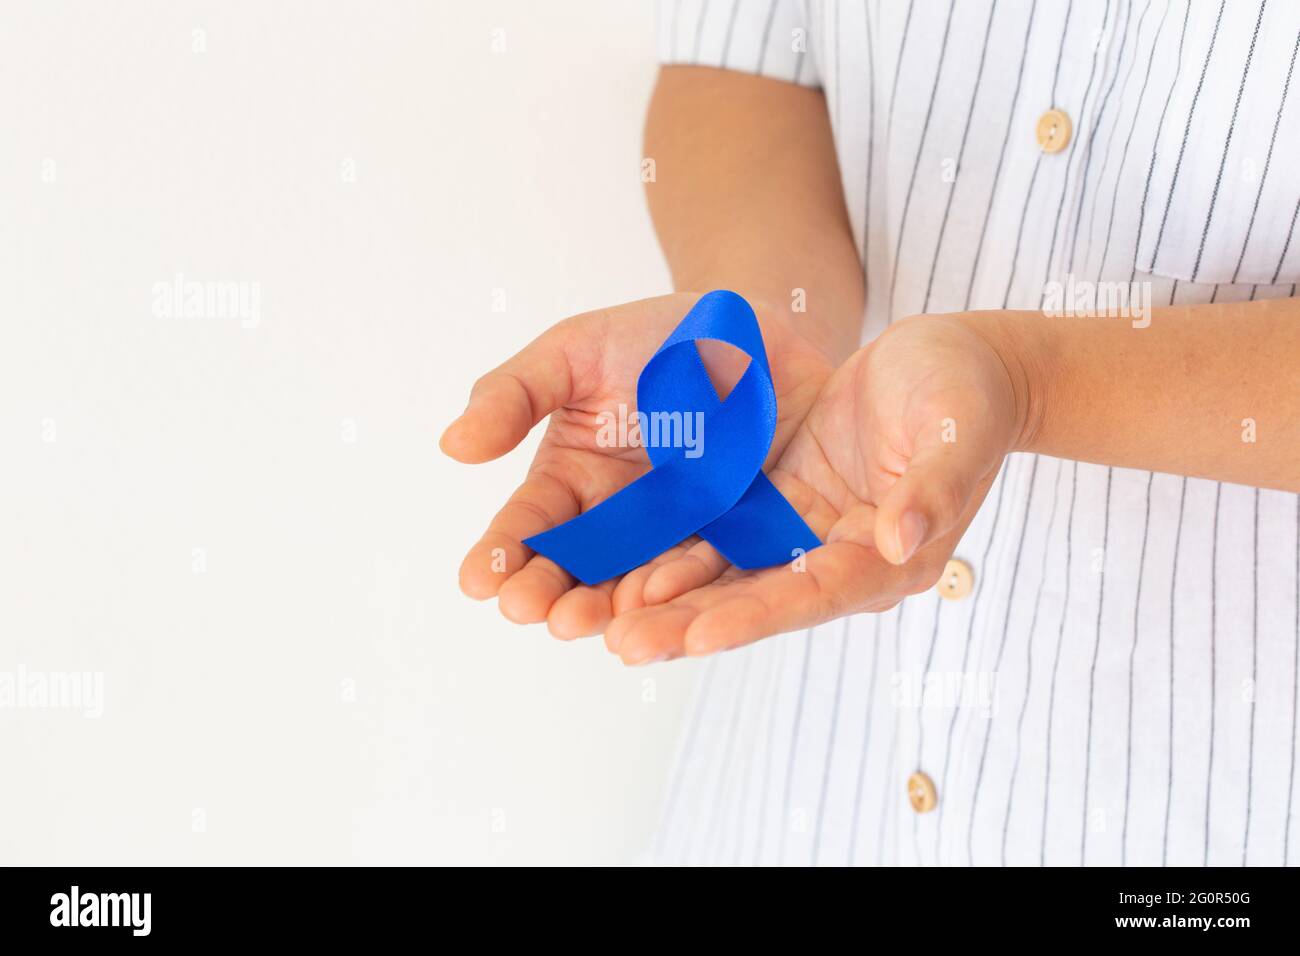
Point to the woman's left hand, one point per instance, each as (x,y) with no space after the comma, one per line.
(889,467)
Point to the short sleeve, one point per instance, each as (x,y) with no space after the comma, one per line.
(766,37)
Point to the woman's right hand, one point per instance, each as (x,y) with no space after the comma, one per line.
(578,372)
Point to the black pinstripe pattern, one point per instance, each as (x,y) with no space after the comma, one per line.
(920,716)
(726,781)
(1227,143)
(866,742)
(1254,679)
(898,67)
(1268,158)
(1182,149)
(1155,147)
(965,656)
(1020,230)
(887,805)
(767,36)
(1092,671)
(1056,659)
(1114,127)
(1002,155)
(1070,149)
(1029,659)
(794,748)
(1214,664)
(830,743)
(961,153)
(1132,657)
(677,12)
(767,760)
(1002,642)
(731,27)
(1295,692)
(1173,594)
(920,151)
(1286,246)
(684,761)
(871,138)
(771,677)
(1119,178)
(1084,181)
(699,30)
(1056,78)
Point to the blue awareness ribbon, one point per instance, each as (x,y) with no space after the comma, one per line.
(718,490)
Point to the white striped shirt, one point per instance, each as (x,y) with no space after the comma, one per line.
(1129,648)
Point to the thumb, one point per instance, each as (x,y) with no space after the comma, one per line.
(930,498)
(508,401)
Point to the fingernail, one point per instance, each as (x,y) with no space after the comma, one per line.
(911,532)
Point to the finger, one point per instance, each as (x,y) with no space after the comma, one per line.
(658,632)
(582,611)
(703,564)
(857,524)
(838,578)
(629,594)
(651,634)
(527,597)
(508,401)
(930,497)
(541,502)
(699,565)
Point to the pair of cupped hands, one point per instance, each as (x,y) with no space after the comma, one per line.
(887,457)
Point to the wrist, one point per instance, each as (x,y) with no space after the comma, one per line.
(1021,342)
(828,320)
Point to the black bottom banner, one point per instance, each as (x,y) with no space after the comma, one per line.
(340,906)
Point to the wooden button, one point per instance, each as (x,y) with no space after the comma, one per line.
(957,580)
(1053,131)
(921,792)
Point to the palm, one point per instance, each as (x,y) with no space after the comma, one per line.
(584,369)
(860,436)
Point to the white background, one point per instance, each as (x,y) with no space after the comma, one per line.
(181,508)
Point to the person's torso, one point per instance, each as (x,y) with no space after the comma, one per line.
(1117,680)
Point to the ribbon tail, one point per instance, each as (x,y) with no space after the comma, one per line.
(762,530)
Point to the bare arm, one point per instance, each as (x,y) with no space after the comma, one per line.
(747,196)
(1209,391)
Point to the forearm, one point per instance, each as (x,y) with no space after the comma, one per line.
(746,196)
(1210,391)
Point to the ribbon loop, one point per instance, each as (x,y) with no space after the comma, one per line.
(720,493)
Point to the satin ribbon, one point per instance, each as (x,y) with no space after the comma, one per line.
(722,494)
